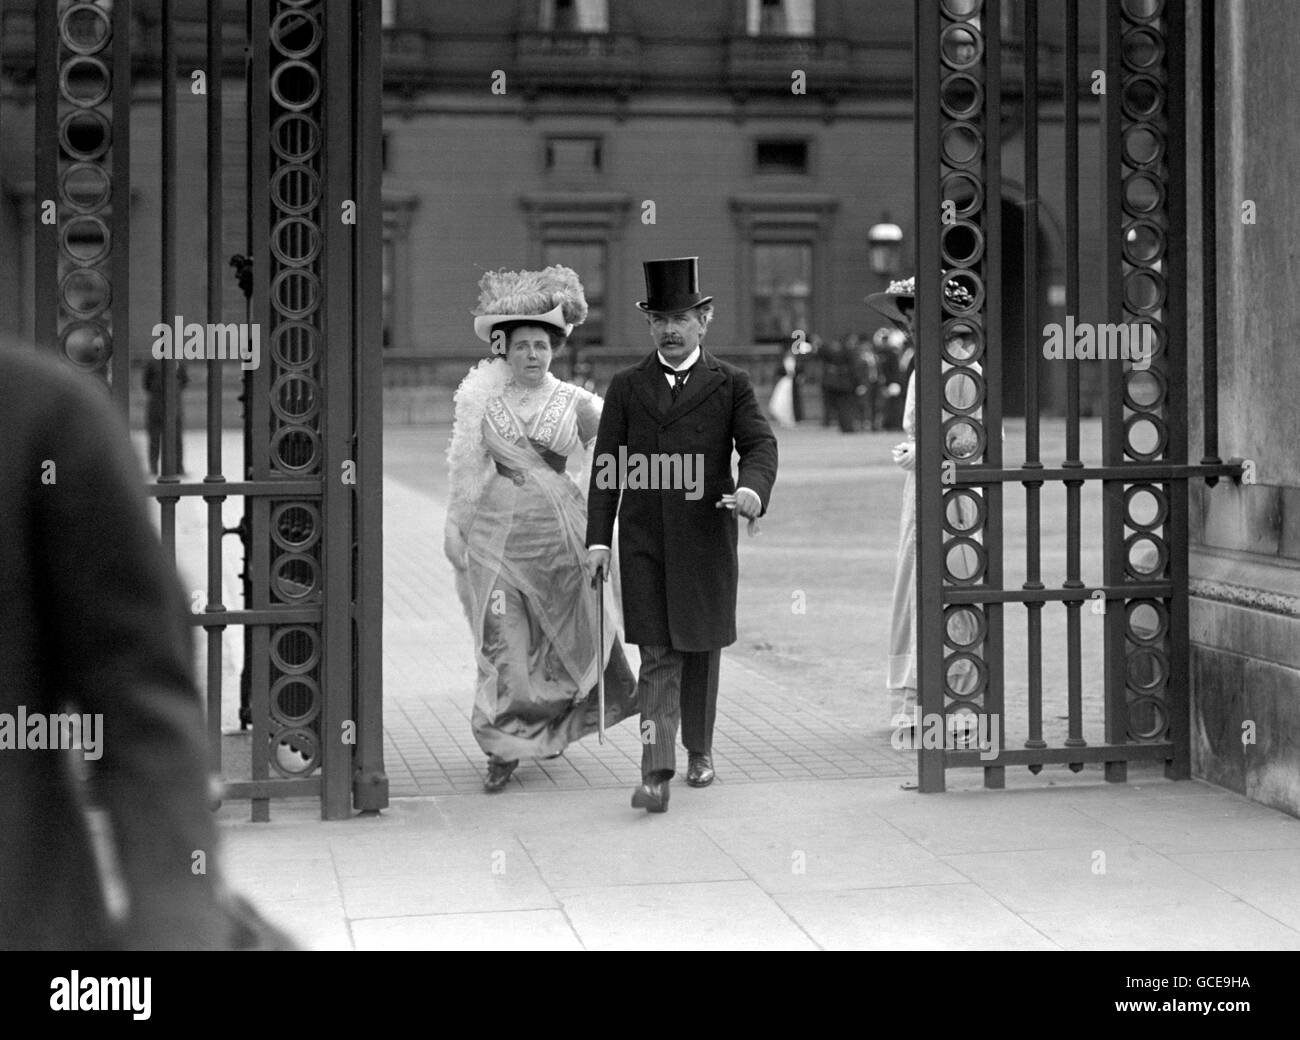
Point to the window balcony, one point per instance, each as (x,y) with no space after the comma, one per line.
(549,60)
(765,63)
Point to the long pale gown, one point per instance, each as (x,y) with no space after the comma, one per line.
(902,678)
(531,607)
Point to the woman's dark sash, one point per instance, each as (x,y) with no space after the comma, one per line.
(551,458)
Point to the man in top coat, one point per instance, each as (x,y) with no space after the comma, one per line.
(677,548)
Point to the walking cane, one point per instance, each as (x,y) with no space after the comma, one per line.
(598,583)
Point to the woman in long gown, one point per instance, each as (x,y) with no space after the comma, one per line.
(781,404)
(516,530)
(897,303)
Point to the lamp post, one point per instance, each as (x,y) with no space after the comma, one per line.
(884,256)
(884,247)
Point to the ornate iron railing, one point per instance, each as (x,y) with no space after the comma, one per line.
(963,480)
(311,478)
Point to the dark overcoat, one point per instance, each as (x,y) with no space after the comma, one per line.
(92,620)
(677,554)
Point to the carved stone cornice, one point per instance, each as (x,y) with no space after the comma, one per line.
(1245,596)
(603,210)
(1267,583)
(757,209)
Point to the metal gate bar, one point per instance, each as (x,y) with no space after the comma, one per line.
(1033,488)
(1073,488)
(995,656)
(1209,243)
(336,436)
(168,461)
(45,256)
(1146,647)
(214,425)
(929,497)
(256,511)
(87,340)
(312,615)
(120,360)
(370,785)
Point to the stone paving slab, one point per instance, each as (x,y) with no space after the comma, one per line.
(723,915)
(912,917)
(829,864)
(1263,877)
(528,930)
(1218,923)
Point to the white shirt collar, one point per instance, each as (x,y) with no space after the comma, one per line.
(691,358)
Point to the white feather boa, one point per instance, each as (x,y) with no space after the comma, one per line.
(469,466)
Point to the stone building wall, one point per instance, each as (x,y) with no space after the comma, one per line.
(1245,553)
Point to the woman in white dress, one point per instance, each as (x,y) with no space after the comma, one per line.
(516,530)
(897,303)
(781,405)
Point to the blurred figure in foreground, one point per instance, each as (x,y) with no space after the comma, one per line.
(95,680)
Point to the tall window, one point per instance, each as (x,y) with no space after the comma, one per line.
(388,13)
(590,260)
(574,15)
(780,17)
(782,290)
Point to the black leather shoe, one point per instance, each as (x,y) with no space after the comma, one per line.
(699,773)
(651,796)
(498,775)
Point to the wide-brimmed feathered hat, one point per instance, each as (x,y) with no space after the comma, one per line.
(905,289)
(552,297)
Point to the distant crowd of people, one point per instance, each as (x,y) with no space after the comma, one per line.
(863,380)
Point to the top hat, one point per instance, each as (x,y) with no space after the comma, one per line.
(551,297)
(672,285)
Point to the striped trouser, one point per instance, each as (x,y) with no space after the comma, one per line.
(675,686)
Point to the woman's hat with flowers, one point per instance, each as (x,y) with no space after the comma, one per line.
(905,289)
(552,297)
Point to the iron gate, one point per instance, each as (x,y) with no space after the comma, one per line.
(962,613)
(311,480)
